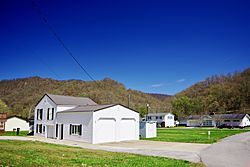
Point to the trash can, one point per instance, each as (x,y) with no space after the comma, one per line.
(17,131)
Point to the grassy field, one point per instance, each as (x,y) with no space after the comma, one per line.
(11,133)
(194,135)
(26,153)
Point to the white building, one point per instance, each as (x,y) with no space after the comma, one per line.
(148,129)
(15,122)
(233,120)
(81,119)
(162,119)
(200,120)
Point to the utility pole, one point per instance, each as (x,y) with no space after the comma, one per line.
(129,101)
(147,111)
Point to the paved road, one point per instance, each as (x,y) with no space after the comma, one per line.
(185,151)
(233,151)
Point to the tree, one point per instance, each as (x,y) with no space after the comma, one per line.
(142,110)
(182,106)
(3,107)
(198,105)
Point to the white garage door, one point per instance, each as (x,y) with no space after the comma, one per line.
(105,130)
(128,129)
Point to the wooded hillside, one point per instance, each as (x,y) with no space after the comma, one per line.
(219,94)
(20,95)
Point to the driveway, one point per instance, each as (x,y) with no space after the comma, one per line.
(233,151)
(184,151)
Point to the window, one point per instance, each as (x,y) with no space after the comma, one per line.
(226,120)
(39,114)
(156,117)
(160,117)
(39,128)
(149,117)
(1,125)
(207,123)
(50,114)
(75,129)
(170,117)
(236,120)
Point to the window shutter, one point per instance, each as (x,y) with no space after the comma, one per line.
(70,129)
(36,128)
(48,114)
(80,130)
(41,114)
(52,113)
(37,114)
(56,130)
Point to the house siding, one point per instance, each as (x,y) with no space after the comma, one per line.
(77,118)
(168,122)
(126,119)
(117,113)
(44,104)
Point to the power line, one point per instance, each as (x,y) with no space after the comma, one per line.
(49,68)
(59,39)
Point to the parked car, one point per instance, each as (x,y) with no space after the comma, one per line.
(225,126)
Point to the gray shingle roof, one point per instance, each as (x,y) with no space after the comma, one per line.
(198,117)
(230,116)
(194,117)
(70,100)
(159,114)
(218,116)
(89,108)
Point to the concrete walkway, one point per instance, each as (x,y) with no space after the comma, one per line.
(184,151)
(233,151)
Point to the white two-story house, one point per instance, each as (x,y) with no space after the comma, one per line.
(162,119)
(81,119)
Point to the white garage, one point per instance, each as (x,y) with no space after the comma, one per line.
(81,119)
(99,123)
(115,123)
(15,122)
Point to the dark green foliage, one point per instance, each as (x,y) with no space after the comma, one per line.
(217,94)
(143,111)
(21,95)
(3,107)
(182,105)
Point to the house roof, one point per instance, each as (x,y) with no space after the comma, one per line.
(218,116)
(70,100)
(230,116)
(13,116)
(159,114)
(195,117)
(89,108)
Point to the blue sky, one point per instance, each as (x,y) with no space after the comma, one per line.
(152,46)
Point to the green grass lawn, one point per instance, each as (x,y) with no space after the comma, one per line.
(194,135)
(11,133)
(27,153)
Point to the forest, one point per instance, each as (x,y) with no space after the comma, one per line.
(216,94)
(19,96)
